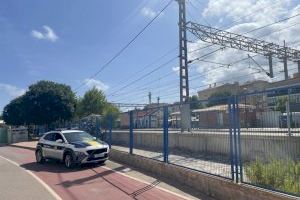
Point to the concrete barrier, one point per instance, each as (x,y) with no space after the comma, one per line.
(215,187)
(252,145)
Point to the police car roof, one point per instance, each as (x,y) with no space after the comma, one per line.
(70,131)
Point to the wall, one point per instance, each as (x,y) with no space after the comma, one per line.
(215,187)
(19,134)
(260,146)
(269,118)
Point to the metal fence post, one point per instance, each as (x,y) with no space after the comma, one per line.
(98,131)
(166,132)
(230,117)
(288,113)
(130,131)
(235,140)
(110,130)
(238,127)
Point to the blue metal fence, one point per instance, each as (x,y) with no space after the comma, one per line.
(251,138)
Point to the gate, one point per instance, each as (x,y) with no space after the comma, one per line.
(3,136)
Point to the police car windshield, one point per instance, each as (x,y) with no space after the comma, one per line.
(77,136)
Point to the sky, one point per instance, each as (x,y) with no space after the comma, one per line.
(69,41)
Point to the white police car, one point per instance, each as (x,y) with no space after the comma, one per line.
(72,147)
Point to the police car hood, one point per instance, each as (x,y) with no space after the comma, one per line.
(89,144)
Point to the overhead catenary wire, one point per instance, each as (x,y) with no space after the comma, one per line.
(170,83)
(127,45)
(145,67)
(264,27)
(222,81)
(140,78)
(157,68)
(212,45)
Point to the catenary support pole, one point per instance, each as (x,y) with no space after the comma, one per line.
(271,66)
(110,130)
(166,132)
(130,132)
(183,68)
(286,74)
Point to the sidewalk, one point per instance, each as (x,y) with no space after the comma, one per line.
(25,145)
(17,184)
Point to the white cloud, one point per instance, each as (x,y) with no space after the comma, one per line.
(264,12)
(175,69)
(47,34)
(96,83)
(148,12)
(11,90)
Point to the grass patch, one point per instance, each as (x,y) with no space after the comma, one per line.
(283,175)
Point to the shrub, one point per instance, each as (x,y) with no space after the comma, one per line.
(283,175)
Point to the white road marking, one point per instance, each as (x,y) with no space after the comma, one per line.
(145,182)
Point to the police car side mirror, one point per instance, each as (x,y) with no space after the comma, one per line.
(59,141)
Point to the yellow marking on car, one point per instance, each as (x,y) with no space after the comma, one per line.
(93,143)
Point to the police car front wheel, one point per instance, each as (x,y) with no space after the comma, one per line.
(39,157)
(68,161)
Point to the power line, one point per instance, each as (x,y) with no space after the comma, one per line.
(145,67)
(201,75)
(159,68)
(128,44)
(210,53)
(222,48)
(256,30)
(170,83)
(267,25)
(222,81)
(154,70)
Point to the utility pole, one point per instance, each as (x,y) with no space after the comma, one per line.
(270,65)
(149,95)
(183,68)
(286,75)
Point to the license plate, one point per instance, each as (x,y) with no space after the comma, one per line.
(98,155)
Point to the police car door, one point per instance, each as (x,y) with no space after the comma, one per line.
(59,146)
(48,145)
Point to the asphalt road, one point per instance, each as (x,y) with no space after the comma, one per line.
(89,182)
(17,184)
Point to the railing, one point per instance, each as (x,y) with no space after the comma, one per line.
(250,138)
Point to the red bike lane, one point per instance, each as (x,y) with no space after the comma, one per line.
(88,182)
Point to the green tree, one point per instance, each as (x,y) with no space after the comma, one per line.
(45,102)
(111,112)
(93,101)
(14,112)
(195,103)
(281,104)
(218,98)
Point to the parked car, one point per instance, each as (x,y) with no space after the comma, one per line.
(72,147)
